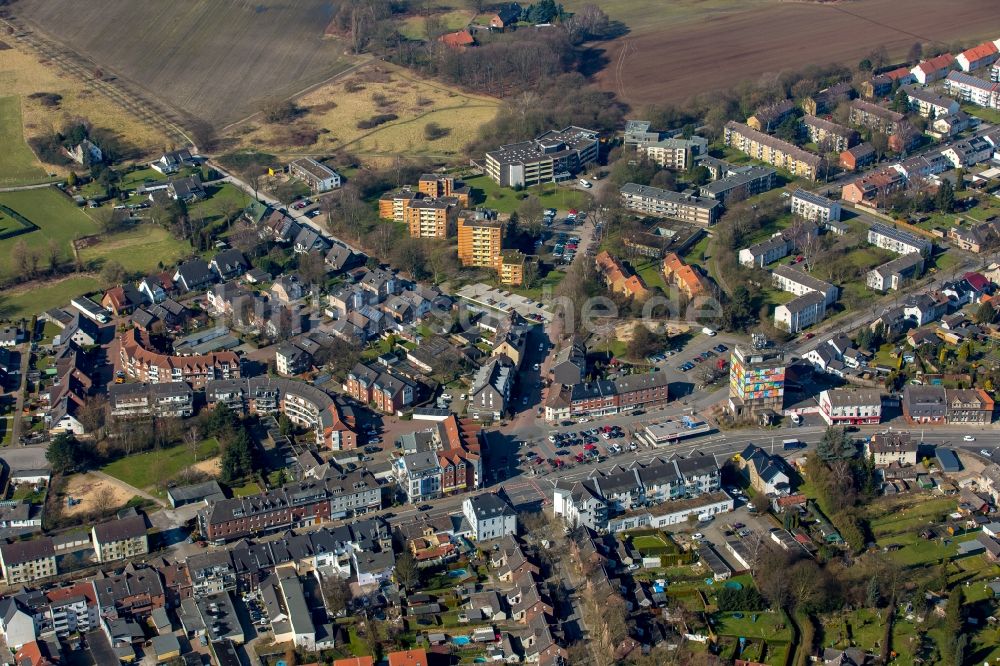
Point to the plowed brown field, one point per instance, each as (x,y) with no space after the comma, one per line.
(684,47)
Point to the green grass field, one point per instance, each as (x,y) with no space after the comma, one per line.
(57,217)
(18,165)
(647,542)
(769,625)
(40,298)
(139,250)
(144,470)
(506,200)
(220,199)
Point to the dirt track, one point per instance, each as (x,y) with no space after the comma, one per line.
(672,62)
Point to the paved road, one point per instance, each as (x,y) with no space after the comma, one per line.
(24,351)
(18,188)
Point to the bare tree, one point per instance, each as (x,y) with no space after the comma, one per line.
(104,499)
(54,254)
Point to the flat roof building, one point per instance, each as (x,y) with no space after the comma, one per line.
(540,160)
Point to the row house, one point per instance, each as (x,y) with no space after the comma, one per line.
(619,278)
(305,405)
(849,406)
(388,392)
(294,505)
(936,405)
(171,400)
(933,69)
(141,362)
(132,594)
(603,397)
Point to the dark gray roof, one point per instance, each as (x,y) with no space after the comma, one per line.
(20,552)
(121,529)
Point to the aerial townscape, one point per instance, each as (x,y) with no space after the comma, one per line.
(580,333)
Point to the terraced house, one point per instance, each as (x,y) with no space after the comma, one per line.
(385,391)
(772,150)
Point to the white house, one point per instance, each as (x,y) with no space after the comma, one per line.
(319,177)
(490,517)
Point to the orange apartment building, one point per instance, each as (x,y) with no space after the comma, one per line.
(429,218)
(436,187)
(512,264)
(480,238)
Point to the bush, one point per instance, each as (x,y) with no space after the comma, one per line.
(745,599)
(433,131)
(280,111)
(377,120)
(50,100)
(49,150)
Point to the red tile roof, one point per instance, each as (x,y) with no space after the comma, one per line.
(458,39)
(979,52)
(942,61)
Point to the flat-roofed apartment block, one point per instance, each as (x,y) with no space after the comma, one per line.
(434,185)
(429,218)
(897,240)
(675,153)
(814,207)
(824,132)
(772,150)
(540,160)
(319,177)
(480,238)
(875,117)
(392,205)
(740,182)
(667,203)
(512,267)
(27,561)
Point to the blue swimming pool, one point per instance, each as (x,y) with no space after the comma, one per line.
(461,640)
(734,585)
(457,573)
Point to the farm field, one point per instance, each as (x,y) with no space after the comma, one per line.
(22,74)
(139,250)
(764,36)
(335,109)
(235,55)
(57,217)
(17,163)
(34,298)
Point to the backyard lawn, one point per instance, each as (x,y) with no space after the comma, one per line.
(39,298)
(139,250)
(18,165)
(145,470)
(57,217)
(507,200)
(765,624)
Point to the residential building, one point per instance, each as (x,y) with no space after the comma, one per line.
(929,104)
(603,397)
(168,400)
(288,612)
(122,300)
(767,118)
(826,100)
(949,126)
(480,238)
(875,117)
(800,312)
(132,594)
(293,505)
(978,57)
(581,504)
(934,69)
(768,474)
(305,405)
(416,657)
(353,494)
(874,189)
(172,161)
(974,406)
(28,561)
(193,275)
(756,380)
(850,406)
(973,90)
(897,240)
(798,282)
(618,278)
(185,189)
(387,391)
(667,203)
(542,159)
(893,447)
(456,465)
(490,516)
(924,405)
(506,16)
(686,278)
(120,539)
(569,365)
(491,390)
(229,264)
(674,153)
(739,183)
(765,252)
(637,133)
(319,177)
(139,361)
(968,152)
(512,266)
(815,207)
(828,135)
(771,150)
(858,157)
(895,273)
(905,140)
(429,218)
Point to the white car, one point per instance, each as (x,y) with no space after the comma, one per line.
(968,438)
(535,367)
(698,535)
(986,453)
(707,331)
(585,183)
